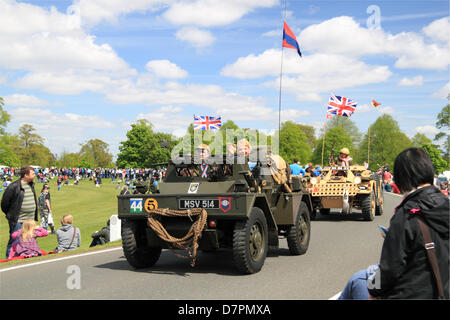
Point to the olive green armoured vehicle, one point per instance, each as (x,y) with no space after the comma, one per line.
(347,188)
(218,206)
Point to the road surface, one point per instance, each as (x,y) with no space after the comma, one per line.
(340,245)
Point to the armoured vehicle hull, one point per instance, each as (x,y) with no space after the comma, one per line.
(347,188)
(246,213)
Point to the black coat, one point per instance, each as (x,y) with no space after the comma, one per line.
(405,272)
(12,201)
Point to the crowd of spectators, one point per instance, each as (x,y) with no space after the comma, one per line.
(63,175)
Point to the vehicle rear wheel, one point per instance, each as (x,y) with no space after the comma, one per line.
(368,207)
(135,248)
(299,234)
(250,242)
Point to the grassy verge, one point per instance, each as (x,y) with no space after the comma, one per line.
(91,207)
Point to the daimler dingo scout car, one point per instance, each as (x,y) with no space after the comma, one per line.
(347,188)
(218,206)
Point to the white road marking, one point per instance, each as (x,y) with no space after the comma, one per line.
(394,194)
(335,296)
(58,259)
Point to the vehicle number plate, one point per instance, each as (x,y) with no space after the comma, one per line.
(198,203)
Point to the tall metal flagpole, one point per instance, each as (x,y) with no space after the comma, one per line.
(368,148)
(281,76)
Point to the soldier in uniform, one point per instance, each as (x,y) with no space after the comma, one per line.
(344,159)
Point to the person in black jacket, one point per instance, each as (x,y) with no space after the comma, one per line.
(19,203)
(102,236)
(405,271)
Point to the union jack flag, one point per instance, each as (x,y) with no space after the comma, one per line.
(341,106)
(207,123)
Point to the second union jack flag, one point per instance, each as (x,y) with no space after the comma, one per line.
(341,106)
(207,123)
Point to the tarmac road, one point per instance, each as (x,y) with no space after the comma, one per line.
(340,245)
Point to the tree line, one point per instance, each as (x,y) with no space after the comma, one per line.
(145,148)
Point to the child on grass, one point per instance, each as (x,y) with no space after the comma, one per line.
(25,244)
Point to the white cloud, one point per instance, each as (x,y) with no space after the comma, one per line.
(70,82)
(293,114)
(438,30)
(167,119)
(208,13)
(208,96)
(415,81)
(196,37)
(24,100)
(363,108)
(46,40)
(430,130)
(166,69)
(386,109)
(309,76)
(92,12)
(45,117)
(273,33)
(342,35)
(443,92)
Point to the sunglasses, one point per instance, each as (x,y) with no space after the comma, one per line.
(343,154)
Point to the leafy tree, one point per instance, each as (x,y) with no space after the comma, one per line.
(96,151)
(439,163)
(143,147)
(335,139)
(443,122)
(4,117)
(31,149)
(8,156)
(309,131)
(419,140)
(294,143)
(349,126)
(69,160)
(27,137)
(386,142)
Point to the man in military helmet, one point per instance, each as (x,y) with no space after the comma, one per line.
(344,158)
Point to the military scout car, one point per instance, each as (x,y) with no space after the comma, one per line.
(228,206)
(346,188)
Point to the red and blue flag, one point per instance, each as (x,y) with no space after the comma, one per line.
(341,106)
(289,39)
(207,123)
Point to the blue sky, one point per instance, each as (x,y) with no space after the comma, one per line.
(83,69)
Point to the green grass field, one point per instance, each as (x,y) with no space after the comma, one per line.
(91,207)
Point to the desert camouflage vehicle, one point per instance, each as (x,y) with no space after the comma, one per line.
(347,188)
(218,206)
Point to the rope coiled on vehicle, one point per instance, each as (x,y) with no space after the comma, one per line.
(190,241)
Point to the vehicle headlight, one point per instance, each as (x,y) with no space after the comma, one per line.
(313,180)
(357,180)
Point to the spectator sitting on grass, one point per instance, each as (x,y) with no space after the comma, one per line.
(69,237)
(101,237)
(26,244)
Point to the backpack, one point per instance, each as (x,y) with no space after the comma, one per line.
(41,200)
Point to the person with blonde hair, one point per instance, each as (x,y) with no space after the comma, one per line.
(69,237)
(25,244)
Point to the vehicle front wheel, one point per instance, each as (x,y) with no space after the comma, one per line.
(250,242)
(368,207)
(135,248)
